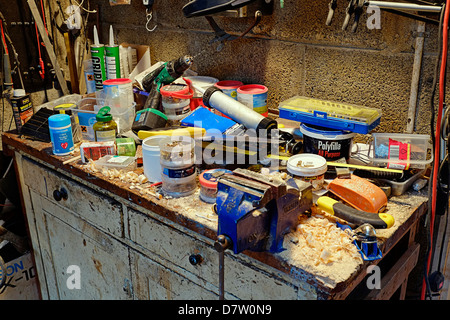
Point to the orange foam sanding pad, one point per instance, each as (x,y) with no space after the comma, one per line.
(359,193)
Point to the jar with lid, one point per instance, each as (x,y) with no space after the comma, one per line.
(105,129)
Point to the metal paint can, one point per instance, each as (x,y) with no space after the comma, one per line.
(98,65)
(61,134)
(229,87)
(112,61)
(254,96)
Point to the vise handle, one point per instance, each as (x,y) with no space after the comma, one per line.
(222,243)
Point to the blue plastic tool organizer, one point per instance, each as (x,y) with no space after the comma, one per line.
(334,115)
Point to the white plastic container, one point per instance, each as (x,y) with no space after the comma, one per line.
(151,158)
(116,162)
(401,151)
(177,159)
(176,99)
(308,167)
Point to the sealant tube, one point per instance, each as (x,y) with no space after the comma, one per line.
(214,97)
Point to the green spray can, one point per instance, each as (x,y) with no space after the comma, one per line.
(98,62)
(112,58)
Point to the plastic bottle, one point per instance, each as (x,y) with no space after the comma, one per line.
(105,129)
(61,134)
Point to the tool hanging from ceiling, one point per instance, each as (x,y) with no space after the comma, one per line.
(355,9)
(207,8)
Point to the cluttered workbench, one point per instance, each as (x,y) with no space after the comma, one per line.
(177,187)
(131,243)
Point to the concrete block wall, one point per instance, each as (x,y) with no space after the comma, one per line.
(293,52)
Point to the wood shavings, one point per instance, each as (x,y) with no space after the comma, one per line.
(323,249)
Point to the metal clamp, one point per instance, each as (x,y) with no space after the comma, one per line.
(223,36)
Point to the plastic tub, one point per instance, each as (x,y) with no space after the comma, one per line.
(254,96)
(183,186)
(116,162)
(177,159)
(176,100)
(401,150)
(177,152)
(329,143)
(151,158)
(208,184)
(308,167)
(118,94)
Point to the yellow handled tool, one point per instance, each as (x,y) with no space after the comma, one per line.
(177,131)
(355,216)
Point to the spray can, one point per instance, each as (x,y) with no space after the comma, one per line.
(98,62)
(89,76)
(112,58)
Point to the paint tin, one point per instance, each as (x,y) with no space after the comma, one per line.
(89,76)
(112,61)
(329,143)
(254,96)
(98,65)
(229,87)
(61,134)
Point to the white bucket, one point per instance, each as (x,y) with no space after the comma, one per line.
(308,167)
(150,158)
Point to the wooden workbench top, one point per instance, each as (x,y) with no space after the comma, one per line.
(198,216)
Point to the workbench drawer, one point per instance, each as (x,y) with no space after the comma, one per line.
(176,248)
(82,201)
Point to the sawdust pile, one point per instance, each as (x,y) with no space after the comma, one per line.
(321,248)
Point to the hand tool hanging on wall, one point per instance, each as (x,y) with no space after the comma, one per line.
(206,8)
(6,38)
(355,8)
(48,47)
(6,63)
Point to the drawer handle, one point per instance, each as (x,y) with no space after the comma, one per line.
(195,259)
(60,194)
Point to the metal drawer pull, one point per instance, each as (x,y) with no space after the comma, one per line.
(195,259)
(60,194)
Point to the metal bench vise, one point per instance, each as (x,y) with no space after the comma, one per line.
(255,211)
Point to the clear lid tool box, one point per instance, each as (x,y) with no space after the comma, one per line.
(334,115)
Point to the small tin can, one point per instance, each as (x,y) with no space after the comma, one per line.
(208,184)
(61,134)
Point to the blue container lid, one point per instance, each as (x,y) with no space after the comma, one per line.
(59,120)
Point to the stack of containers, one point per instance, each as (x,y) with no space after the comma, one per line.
(177,158)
